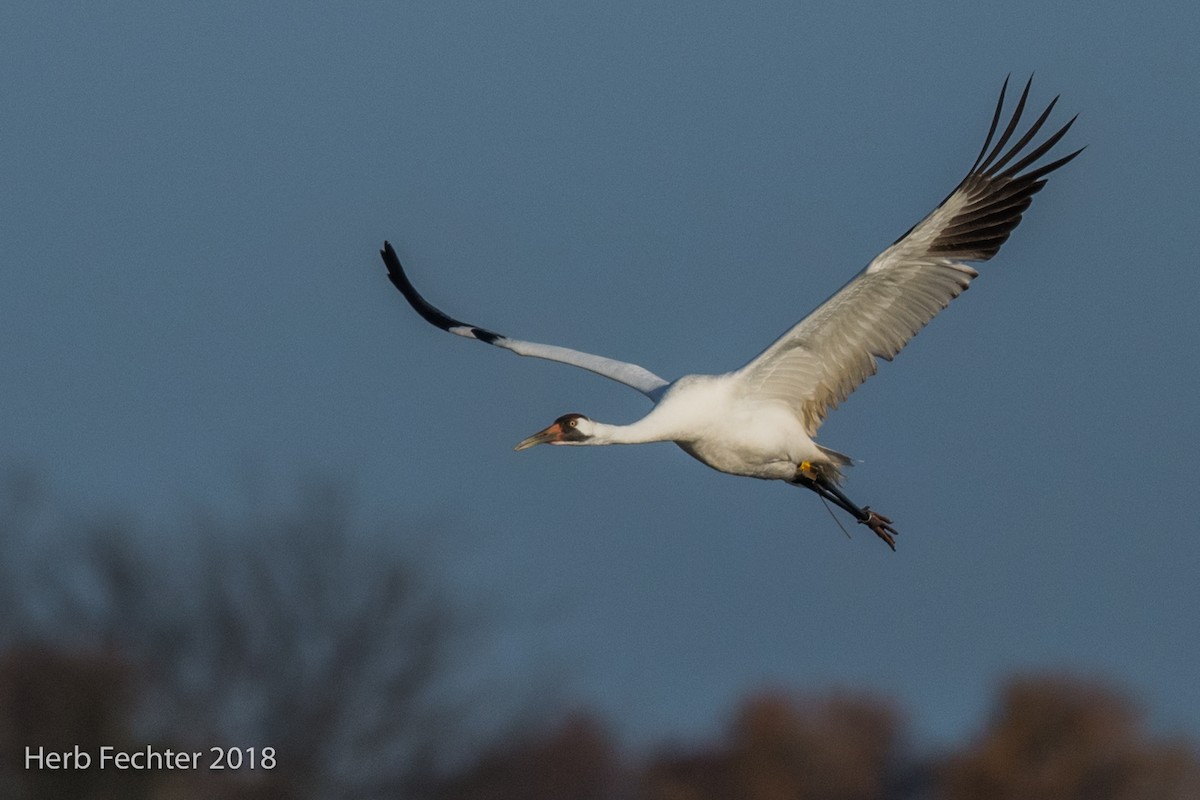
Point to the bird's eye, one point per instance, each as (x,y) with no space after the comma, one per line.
(573,422)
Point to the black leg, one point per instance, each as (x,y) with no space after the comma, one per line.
(821,491)
(859,514)
(880,525)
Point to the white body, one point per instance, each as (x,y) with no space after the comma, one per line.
(715,420)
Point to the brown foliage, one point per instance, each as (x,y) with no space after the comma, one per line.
(57,700)
(576,760)
(1064,739)
(786,748)
(59,703)
(287,630)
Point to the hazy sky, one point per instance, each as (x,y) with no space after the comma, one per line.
(190,291)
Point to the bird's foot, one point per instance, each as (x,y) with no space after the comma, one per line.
(880,525)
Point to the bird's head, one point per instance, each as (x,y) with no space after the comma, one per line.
(567,429)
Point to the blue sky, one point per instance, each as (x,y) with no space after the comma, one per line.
(190,293)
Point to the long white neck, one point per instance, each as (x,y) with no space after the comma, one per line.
(646,429)
(688,407)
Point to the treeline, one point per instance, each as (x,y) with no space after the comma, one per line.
(1049,738)
(301,631)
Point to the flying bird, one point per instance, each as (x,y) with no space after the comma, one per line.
(760,420)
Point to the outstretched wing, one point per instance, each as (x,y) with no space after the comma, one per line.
(632,375)
(821,360)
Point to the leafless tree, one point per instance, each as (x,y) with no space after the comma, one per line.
(296,630)
(303,631)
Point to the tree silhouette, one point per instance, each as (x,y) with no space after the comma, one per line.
(576,759)
(58,702)
(787,747)
(1056,738)
(298,630)
(294,630)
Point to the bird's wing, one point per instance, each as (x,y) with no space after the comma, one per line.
(821,360)
(632,375)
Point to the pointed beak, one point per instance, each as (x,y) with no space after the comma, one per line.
(546,436)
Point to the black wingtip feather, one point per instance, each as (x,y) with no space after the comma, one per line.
(1019,146)
(995,122)
(1012,126)
(427,310)
(994,195)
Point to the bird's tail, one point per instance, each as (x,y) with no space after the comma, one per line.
(837,461)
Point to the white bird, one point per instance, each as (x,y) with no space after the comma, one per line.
(760,420)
